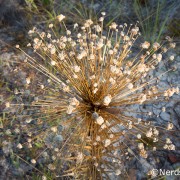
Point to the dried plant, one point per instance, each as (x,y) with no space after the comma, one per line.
(94,81)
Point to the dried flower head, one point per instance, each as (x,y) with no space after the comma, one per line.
(93,82)
(100,120)
(145,45)
(60,17)
(33,161)
(107,100)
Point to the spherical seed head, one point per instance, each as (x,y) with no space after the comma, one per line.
(95,61)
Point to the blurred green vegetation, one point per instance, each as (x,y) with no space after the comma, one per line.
(152,25)
(174,27)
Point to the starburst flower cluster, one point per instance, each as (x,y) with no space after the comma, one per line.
(95,79)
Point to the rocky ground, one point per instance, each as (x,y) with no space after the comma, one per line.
(14,73)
